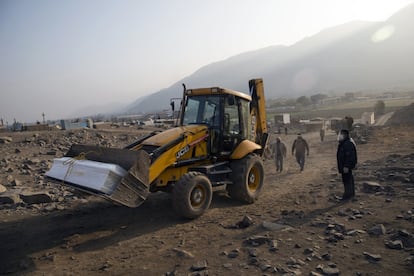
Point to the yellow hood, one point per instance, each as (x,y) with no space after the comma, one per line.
(172,134)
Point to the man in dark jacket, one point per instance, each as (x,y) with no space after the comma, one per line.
(299,147)
(347,159)
(279,153)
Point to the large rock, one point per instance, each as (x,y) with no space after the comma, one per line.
(2,189)
(244,223)
(9,198)
(328,270)
(372,257)
(5,140)
(371,187)
(35,197)
(16,182)
(257,240)
(397,244)
(201,265)
(377,230)
(272,226)
(234,253)
(183,253)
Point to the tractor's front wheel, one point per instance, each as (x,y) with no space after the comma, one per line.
(247,177)
(192,195)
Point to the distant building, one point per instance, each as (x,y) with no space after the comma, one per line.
(282,119)
(368,118)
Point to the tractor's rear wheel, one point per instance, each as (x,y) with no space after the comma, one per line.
(192,195)
(247,178)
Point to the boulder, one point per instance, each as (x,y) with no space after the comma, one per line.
(397,244)
(273,245)
(257,240)
(35,197)
(377,230)
(245,222)
(372,257)
(5,140)
(16,182)
(272,226)
(183,253)
(234,253)
(201,265)
(326,270)
(10,178)
(2,189)
(9,198)
(371,187)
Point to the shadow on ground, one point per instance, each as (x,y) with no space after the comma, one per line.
(21,238)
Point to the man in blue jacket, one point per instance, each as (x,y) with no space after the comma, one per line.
(347,159)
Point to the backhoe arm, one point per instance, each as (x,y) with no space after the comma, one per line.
(258,113)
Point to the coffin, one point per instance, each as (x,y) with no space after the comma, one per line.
(90,175)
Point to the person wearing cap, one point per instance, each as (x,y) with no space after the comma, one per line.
(347,159)
(299,147)
(279,153)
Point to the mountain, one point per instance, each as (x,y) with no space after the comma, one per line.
(356,56)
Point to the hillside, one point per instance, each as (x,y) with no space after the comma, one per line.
(357,56)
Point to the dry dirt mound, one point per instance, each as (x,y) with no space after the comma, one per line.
(403,116)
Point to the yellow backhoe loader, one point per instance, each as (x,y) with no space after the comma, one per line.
(218,144)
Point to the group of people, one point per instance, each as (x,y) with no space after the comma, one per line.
(346,157)
(299,148)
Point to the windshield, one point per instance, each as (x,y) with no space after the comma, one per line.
(202,110)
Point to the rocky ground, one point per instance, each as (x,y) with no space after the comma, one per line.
(297,227)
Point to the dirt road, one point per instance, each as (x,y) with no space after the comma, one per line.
(298,225)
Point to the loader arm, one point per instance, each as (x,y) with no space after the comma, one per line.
(258,113)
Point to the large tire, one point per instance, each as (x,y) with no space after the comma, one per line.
(247,177)
(192,195)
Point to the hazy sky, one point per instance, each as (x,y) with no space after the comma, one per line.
(61,56)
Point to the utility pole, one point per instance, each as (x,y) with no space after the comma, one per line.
(43,115)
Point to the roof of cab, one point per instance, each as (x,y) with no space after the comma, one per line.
(217,91)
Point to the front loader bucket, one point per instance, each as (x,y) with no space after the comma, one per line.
(133,188)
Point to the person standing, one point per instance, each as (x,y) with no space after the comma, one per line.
(347,159)
(322,134)
(299,148)
(279,153)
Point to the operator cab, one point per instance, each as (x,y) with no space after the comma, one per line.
(226,115)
